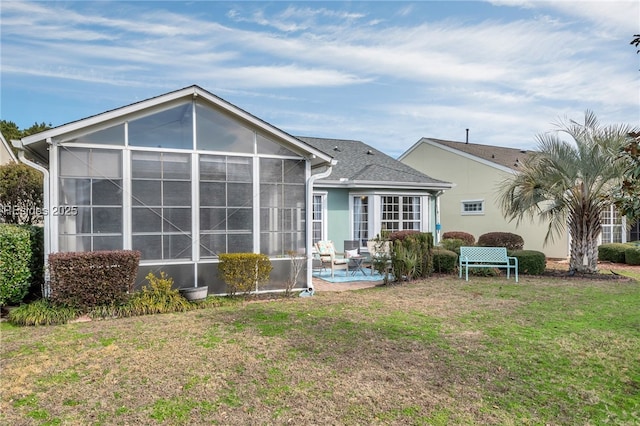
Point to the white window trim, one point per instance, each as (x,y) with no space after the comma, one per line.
(324,222)
(473,213)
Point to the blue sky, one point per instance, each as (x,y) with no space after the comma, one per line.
(385,73)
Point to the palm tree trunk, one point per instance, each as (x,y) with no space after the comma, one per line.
(585,227)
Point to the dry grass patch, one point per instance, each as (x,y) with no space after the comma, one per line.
(441,351)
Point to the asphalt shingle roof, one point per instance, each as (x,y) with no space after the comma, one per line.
(507,157)
(359,162)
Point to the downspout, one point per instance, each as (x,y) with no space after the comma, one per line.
(438,225)
(309,225)
(46,216)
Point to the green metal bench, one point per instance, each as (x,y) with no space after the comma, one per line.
(486,257)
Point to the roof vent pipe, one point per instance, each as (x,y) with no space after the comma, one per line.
(467,140)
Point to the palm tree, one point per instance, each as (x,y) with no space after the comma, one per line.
(568,184)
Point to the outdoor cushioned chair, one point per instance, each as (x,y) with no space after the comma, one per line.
(327,252)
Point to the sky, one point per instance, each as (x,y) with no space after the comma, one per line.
(385,73)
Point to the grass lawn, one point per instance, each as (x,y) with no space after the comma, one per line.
(437,352)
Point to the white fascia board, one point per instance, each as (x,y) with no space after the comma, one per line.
(188,92)
(465,155)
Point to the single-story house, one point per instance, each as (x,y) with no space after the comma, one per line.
(181,177)
(472,206)
(369,191)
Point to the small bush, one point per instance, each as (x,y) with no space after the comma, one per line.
(42,312)
(613,252)
(444,261)
(530,262)
(453,244)
(88,279)
(15,258)
(632,256)
(501,239)
(157,297)
(243,272)
(468,239)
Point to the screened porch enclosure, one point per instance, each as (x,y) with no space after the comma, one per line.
(181,183)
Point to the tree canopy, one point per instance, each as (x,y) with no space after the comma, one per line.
(568,184)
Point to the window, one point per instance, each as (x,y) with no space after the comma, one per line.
(161,205)
(90,200)
(282,202)
(361,219)
(170,128)
(319,207)
(394,220)
(612,226)
(226,205)
(216,131)
(472,207)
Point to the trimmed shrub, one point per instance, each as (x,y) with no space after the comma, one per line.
(632,256)
(501,239)
(612,252)
(87,279)
(444,261)
(453,244)
(15,257)
(530,262)
(468,239)
(401,235)
(243,272)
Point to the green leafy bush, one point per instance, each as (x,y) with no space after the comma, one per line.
(15,258)
(501,239)
(36,261)
(42,312)
(530,262)
(411,254)
(632,256)
(468,239)
(21,192)
(243,272)
(157,297)
(88,279)
(444,261)
(453,244)
(612,252)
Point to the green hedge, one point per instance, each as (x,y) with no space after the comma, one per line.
(244,272)
(632,255)
(15,259)
(530,262)
(468,239)
(612,252)
(444,261)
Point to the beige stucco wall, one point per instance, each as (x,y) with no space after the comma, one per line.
(476,181)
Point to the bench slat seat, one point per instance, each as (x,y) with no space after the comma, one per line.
(486,257)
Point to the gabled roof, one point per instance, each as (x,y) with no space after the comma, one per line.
(508,159)
(38,142)
(362,166)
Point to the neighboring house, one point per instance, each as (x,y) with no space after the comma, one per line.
(471,206)
(181,177)
(368,191)
(6,154)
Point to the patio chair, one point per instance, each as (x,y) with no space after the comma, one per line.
(327,252)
